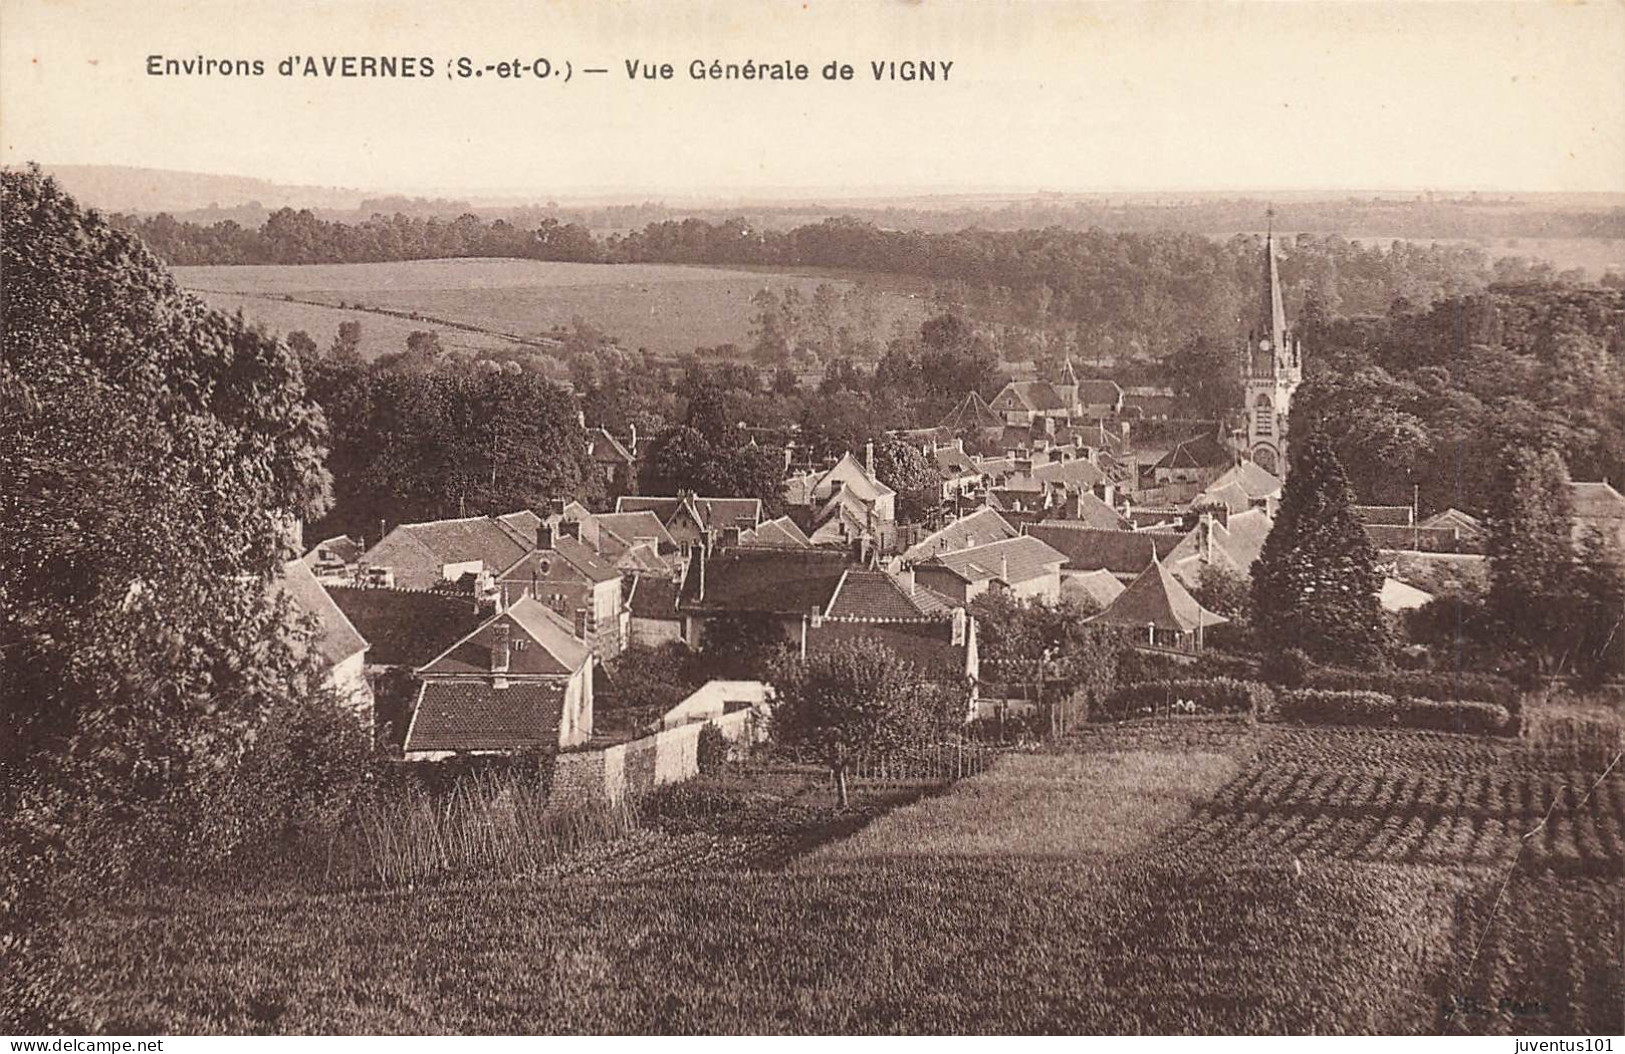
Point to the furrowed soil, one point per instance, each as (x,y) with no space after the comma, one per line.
(1194,875)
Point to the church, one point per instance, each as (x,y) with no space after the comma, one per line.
(1272,369)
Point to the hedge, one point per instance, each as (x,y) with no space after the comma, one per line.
(1222,695)
(1380,710)
(1425,684)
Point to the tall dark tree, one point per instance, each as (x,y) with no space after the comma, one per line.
(1532,559)
(1316,582)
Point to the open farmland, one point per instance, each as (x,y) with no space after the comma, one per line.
(480,303)
(1195,875)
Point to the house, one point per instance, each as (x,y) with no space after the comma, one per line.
(615,465)
(1467,527)
(1123,553)
(653,617)
(1598,507)
(405,628)
(1197,461)
(1023,402)
(691,520)
(335,559)
(782,533)
(977,528)
(422,555)
(1086,509)
(847,494)
(1246,479)
(520,681)
(334,638)
(773,585)
(960,476)
(1025,566)
(940,651)
(1077,476)
(1091,590)
(1099,399)
(566,575)
(1159,612)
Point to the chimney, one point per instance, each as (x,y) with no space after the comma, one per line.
(500,651)
(959,628)
(869,457)
(815,616)
(544,536)
(1205,539)
(908,580)
(583,624)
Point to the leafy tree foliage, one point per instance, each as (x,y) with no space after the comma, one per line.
(1203,376)
(916,479)
(1316,582)
(859,698)
(1037,643)
(156,454)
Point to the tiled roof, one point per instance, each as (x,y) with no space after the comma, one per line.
(573,553)
(1421,539)
(954,463)
(1468,525)
(1038,396)
(1242,537)
(497,541)
(770,581)
(542,644)
(1383,515)
(1597,501)
(632,527)
(1099,392)
(336,638)
(927,646)
(405,627)
(1089,511)
(1230,496)
(976,528)
(1252,479)
(643,557)
(341,546)
(1076,473)
(1099,588)
(1157,598)
(1122,553)
(874,595)
(605,448)
(1203,451)
(972,413)
(654,597)
(1013,560)
(715,514)
(476,715)
(782,532)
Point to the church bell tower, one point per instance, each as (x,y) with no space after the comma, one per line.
(1272,369)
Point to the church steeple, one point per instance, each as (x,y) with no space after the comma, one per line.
(1272,367)
(1272,319)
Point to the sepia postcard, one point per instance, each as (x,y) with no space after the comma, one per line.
(780,518)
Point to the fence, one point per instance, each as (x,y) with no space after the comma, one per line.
(931,763)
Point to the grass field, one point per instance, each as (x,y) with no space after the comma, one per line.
(1199,875)
(665,308)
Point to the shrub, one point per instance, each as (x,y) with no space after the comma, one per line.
(1421,684)
(1287,669)
(1220,695)
(711,750)
(1380,710)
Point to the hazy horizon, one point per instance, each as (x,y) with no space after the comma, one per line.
(1098,98)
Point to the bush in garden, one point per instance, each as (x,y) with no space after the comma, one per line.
(1217,695)
(1288,669)
(1423,684)
(711,750)
(1380,710)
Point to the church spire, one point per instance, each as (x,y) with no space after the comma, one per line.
(1272,319)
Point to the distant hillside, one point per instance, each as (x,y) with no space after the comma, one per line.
(117,188)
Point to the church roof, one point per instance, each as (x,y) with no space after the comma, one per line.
(972,412)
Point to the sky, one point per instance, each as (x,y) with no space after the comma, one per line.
(1064,97)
